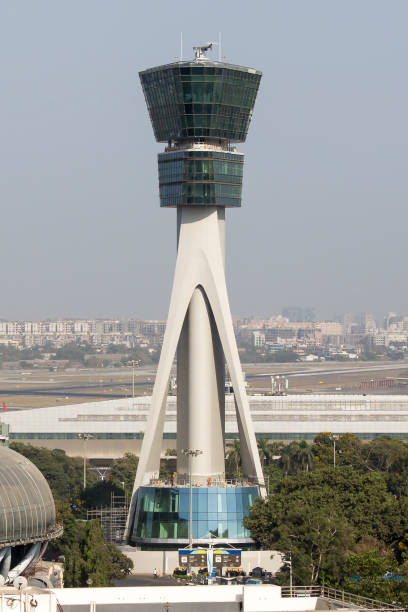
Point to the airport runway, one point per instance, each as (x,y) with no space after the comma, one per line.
(330,372)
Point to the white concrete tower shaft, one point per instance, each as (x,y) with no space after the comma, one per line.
(200,371)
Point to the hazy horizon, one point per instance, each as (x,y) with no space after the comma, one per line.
(325,175)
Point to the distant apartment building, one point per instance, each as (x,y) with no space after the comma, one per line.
(258,339)
(97,332)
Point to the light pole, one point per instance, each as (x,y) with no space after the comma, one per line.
(189,452)
(85,437)
(334,438)
(290,573)
(133,378)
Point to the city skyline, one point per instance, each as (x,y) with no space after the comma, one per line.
(326,167)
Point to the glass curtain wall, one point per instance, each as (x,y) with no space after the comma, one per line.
(210,178)
(217,512)
(212,101)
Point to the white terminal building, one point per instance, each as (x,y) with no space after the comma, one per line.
(118,426)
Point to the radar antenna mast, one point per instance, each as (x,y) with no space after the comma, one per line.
(201,50)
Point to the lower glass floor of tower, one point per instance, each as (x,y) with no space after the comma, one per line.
(162,515)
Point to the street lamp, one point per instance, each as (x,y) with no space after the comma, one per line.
(85,437)
(290,573)
(133,378)
(334,437)
(189,452)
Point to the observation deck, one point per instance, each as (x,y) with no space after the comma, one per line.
(200,99)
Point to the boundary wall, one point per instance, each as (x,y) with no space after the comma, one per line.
(144,561)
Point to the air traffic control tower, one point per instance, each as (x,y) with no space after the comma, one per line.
(200,109)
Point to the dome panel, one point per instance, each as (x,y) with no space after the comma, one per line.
(27,510)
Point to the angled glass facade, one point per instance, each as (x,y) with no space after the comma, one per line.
(162,514)
(209,178)
(200,100)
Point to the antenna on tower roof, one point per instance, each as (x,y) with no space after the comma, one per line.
(201,50)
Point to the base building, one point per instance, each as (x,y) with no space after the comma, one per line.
(200,109)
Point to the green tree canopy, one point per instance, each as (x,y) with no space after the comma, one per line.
(321,515)
(64,474)
(86,555)
(124,470)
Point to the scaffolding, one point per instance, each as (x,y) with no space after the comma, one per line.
(112,518)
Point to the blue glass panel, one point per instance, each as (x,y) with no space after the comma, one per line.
(222,501)
(212,516)
(184,500)
(232,529)
(213,526)
(155,529)
(241,531)
(231,504)
(251,498)
(202,501)
(182,529)
(202,529)
(222,529)
(245,503)
(238,500)
(212,503)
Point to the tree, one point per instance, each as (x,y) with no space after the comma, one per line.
(234,463)
(378,576)
(124,470)
(264,449)
(322,515)
(95,553)
(64,474)
(100,493)
(349,450)
(121,565)
(323,449)
(117,348)
(86,555)
(302,456)
(386,454)
(74,569)
(317,537)
(296,456)
(72,352)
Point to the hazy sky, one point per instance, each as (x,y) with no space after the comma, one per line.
(324,216)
